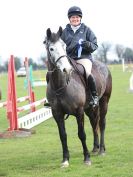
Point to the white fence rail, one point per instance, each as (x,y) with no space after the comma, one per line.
(30,120)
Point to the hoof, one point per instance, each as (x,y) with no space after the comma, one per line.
(95,151)
(88,163)
(65,164)
(101,153)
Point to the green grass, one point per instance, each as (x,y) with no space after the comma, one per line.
(40,154)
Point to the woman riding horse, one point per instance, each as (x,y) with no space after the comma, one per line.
(76,34)
(67,95)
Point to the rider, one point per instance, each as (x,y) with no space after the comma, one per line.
(77,34)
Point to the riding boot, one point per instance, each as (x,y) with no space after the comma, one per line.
(92,86)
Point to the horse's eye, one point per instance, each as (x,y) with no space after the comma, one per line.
(51,49)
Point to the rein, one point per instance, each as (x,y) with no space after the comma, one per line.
(60,58)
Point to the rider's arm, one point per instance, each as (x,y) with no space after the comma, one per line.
(91,41)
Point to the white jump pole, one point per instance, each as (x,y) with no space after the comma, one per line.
(131,83)
(123,64)
(21,99)
(34,104)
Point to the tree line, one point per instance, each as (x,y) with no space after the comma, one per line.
(101,54)
(119,50)
(19,64)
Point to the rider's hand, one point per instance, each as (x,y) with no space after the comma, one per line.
(85,44)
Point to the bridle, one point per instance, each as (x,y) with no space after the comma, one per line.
(54,62)
(60,90)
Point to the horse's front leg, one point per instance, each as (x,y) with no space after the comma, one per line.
(82,137)
(63,137)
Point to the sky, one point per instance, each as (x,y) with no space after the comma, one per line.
(23,23)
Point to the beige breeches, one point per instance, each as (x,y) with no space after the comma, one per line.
(87,64)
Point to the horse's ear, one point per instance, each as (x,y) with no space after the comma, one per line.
(60,31)
(48,33)
(44,42)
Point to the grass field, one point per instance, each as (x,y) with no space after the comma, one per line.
(40,154)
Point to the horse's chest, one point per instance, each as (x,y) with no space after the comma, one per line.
(69,107)
(69,99)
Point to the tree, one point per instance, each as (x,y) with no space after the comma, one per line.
(103,51)
(2,68)
(34,64)
(44,61)
(119,49)
(6,65)
(17,63)
(30,61)
(128,54)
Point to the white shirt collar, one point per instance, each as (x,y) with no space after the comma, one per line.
(75,28)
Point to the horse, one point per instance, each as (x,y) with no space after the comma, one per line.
(67,95)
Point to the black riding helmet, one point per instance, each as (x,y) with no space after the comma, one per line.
(74,11)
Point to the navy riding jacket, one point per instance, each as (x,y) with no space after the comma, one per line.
(72,41)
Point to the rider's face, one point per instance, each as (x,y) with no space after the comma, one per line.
(75,20)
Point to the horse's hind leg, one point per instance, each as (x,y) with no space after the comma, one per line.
(102,122)
(93,117)
(63,137)
(82,136)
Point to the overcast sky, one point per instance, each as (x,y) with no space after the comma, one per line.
(23,23)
